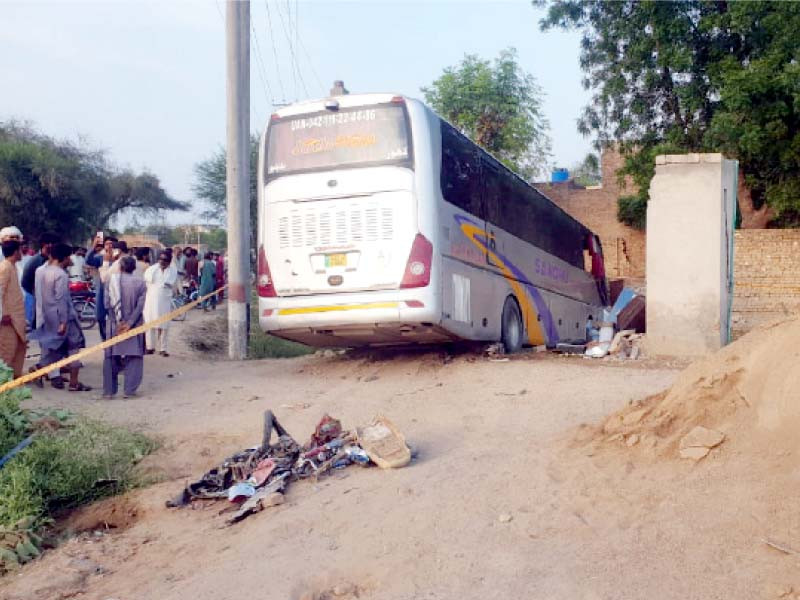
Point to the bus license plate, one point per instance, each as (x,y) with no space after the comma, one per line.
(336,260)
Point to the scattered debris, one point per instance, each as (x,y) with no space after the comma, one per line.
(384,444)
(256,478)
(505,518)
(494,350)
(633,316)
(295,406)
(780,546)
(568,348)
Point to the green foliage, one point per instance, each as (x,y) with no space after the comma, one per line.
(697,76)
(210,186)
(264,345)
(14,422)
(499,106)
(632,210)
(216,239)
(47,184)
(68,467)
(178,235)
(587,172)
(18,544)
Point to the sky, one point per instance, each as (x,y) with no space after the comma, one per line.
(146,80)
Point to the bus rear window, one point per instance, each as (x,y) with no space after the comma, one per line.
(363,136)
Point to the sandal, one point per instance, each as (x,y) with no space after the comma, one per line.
(39,381)
(79,387)
(57,382)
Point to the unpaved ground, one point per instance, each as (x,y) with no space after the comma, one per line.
(494,440)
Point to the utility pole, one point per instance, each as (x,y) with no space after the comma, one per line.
(237,42)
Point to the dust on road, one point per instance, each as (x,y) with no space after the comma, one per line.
(501,501)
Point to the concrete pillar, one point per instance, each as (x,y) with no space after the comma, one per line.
(690,220)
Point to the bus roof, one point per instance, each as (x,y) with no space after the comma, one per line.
(344,101)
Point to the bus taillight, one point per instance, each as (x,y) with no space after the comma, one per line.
(266,287)
(418,267)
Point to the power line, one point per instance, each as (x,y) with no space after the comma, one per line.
(311,64)
(275,51)
(286,33)
(291,49)
(262,70)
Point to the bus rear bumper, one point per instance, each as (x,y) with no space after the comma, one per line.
(376,318)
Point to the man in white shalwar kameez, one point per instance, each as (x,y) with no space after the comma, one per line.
(161,279)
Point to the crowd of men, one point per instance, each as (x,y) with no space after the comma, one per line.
(36,303)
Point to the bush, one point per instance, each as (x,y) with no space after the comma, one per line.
(65,466)
(632,210)
(14,422)
(70,467)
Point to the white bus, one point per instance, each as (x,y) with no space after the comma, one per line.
(380,224)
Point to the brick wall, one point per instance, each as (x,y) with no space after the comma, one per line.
(766,277)
(596,207)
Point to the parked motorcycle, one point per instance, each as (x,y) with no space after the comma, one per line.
(83,299)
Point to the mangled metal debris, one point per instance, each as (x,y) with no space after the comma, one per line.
(256,478)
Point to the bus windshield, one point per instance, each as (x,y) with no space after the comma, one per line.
(361,136)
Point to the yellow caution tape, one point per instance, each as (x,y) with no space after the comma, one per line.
(28,377)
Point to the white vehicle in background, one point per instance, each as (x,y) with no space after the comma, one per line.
(380,223)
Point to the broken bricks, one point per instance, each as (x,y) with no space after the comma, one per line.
(696,444)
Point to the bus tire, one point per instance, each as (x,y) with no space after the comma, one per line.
(512,328)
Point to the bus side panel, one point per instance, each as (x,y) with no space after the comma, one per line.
(469,300)
(534,276)
(570,316)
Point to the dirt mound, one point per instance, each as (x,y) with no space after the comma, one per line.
(119,512)
(749,392)
(208,337)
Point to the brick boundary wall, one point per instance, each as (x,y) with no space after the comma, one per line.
(766,277)
(596,207)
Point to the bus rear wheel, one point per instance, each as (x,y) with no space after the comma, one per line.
(511,331)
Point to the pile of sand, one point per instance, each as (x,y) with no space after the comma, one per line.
(749,392)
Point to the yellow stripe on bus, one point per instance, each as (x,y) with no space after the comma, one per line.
(336,307)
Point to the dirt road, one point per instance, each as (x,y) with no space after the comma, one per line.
(498,504)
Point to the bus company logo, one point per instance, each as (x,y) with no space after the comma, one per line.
(536,314)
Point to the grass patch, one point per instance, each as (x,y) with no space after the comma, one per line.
(70,462)
(14,422)
(62,469)
(263,345)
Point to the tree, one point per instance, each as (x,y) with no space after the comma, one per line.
(693,76)
(210,186)
(53,185)
(499,106)
(587,172)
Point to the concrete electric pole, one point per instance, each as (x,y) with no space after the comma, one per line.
(237,42)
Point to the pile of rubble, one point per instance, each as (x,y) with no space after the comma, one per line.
(748,392)
(256,478)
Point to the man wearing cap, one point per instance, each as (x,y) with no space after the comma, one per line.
(10,234)
(13,341)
